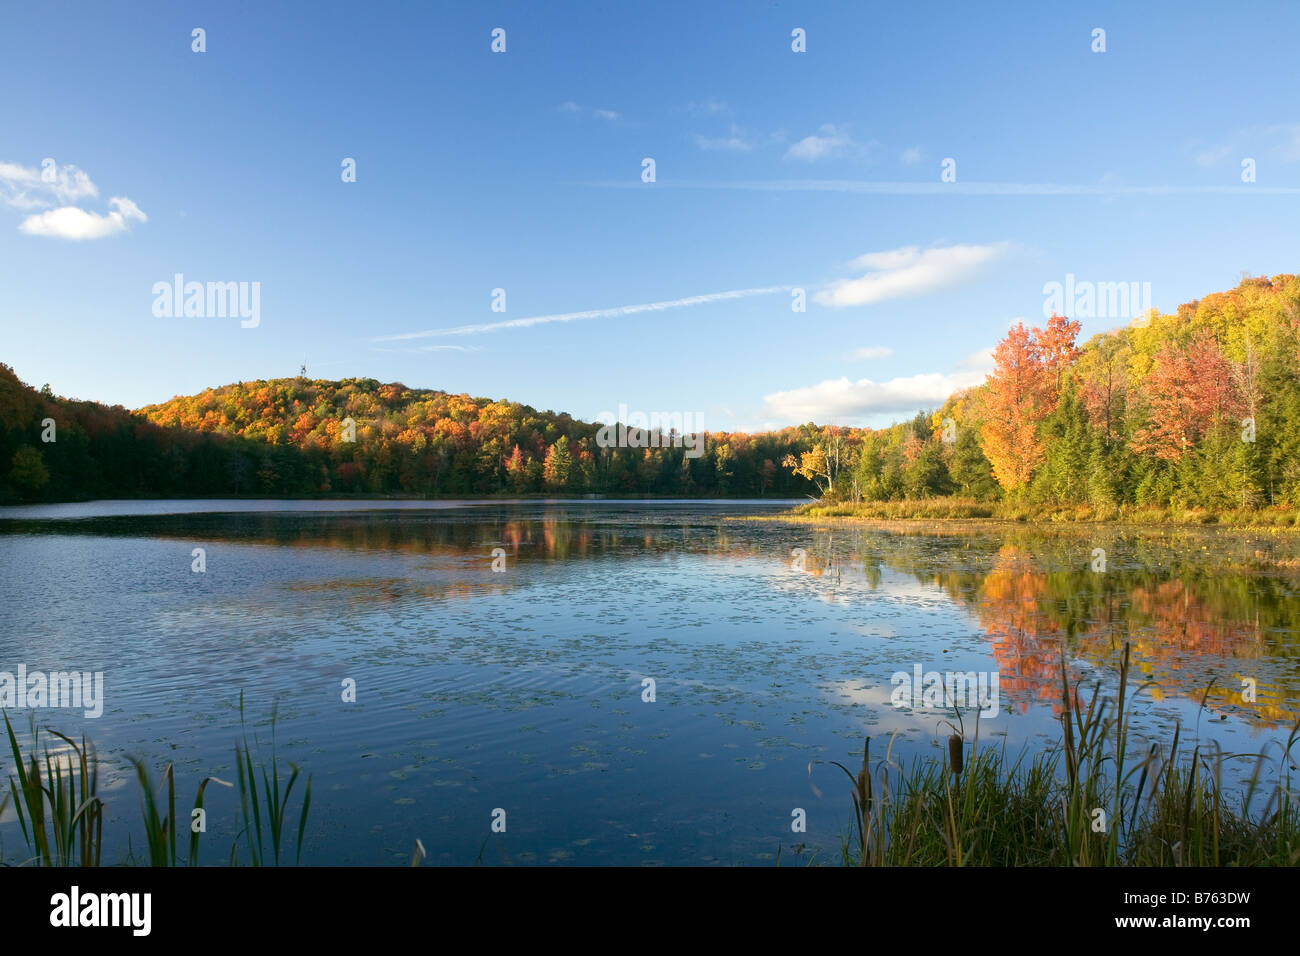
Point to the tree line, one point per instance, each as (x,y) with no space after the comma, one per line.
(1197,408)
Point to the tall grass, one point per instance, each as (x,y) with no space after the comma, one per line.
(65,796)
(160,830)
(61,816)
(1082,802)
(1017,510)
(277,799)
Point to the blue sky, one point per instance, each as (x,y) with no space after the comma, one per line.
(522,171)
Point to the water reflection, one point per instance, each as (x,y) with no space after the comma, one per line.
(772,645)
(1200,609)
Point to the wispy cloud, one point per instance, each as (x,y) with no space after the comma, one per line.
(911,156)
(25,187)
(1279,141)
(709,107)
(1213,155)
(54,189)
(430,348)
(871,352)
(616,312)
(909,271)
(1108,188)
(843,401)
(829,142)
(571,107)
(737,141)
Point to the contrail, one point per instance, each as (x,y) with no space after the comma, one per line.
(431,348)
(967,189)
(591,314)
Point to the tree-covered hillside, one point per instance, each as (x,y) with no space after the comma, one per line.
(289,437)
(1198,408)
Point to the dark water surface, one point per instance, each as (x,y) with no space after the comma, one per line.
(523,689)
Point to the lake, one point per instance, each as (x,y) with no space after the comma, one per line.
(526,688)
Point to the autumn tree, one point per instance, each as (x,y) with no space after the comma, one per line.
(28,474)
(555,469)
(812,466)
(1189,388)
(1021,393)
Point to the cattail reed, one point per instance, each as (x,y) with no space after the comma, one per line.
(955,754)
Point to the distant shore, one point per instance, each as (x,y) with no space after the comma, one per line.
(955,511)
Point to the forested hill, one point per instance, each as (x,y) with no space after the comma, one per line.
(1197,408)
(289,437)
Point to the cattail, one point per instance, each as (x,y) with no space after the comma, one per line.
(954,754)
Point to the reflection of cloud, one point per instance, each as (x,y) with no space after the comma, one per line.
(874,696)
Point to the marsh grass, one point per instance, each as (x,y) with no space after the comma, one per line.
(1080,803)
(64,795)
(276,799)
(61,816)
(941,509)
(160,830)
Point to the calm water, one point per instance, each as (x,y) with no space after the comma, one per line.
(522,689)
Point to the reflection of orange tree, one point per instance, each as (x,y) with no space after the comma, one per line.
(1178,636)
(1026,640)
(1182,630)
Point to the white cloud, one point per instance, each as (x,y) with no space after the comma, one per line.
(910,156)
(616,312)
(605,114)
(570,107)
(25,187)
(910,271)
(736,141)
(71,222)
(872,352)
(833,141)
(54,189)
(844,402)
(981,361)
